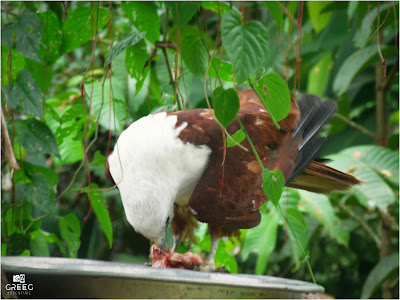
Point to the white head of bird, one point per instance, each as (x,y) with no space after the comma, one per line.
(154,169)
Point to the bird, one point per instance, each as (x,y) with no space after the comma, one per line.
(173,169)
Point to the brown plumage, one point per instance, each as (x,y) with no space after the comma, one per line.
(228,195)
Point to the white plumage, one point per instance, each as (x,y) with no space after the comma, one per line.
(153,169)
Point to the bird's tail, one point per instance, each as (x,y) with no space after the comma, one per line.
(308,174)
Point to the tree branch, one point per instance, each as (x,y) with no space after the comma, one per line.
(8,145)
(356,126)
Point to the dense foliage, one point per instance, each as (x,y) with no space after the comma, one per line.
(75,74)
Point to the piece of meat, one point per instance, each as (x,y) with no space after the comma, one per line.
(169,259)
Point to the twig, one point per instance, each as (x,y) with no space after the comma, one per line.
(7,143)
(287,13)
(356,126)
(363,224)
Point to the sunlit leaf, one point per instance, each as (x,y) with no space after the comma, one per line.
(238,137)
(318,18)
(246,44)
(226,105)
(275,95)
(319,74)
(273,184)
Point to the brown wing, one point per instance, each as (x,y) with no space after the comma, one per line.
(228,195)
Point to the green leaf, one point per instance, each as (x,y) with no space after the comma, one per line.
(318,18)
(238,137)
(51,38)
(145,18)
(318,77)
(224,258)
(129,41)
(275,95)
(182,10)
(370,165)
(364,33)
(299,226)
(194,52)
(382,271)
(101,211)
(112,112)
(273,184)
(49,237)
(17,64)
(70,229)
(260,240)
(135,59)
(222,68)
(39,247)
(320,208)
(24,94)
(290,198)
(36,137)
(276,12)
(215,6)
(28,33)
(351,9)
(353,65)
(226,105)
(43,75)
(80,26)
(246,45)
(49,174)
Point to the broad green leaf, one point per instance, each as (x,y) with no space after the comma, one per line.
(135,59)
(41,194)
(80,26)
(144,16)
(351,66)
(31,169)
(182,10)
(275,9)
(261,240)
(318,18)
(246,45)
(111,113)
(290,198)
(194,52)
(273,184)
(215,6)
(24,94)
(49,237)
(70,229)
(373,191)
(17,64)
(299,226)
(320,208)
(28,33)
(226,105)
(222,68)
(51,38)
(238,137)
(382,271)
(36,137)
(226,259)
(129,41)
(71,151)
(101,211)
(365,31)
(275,95)
(319,74)
(57,8)
(39,247)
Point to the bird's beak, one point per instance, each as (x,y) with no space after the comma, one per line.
(164,243)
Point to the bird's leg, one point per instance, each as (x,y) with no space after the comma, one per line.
(209,263)
(177,241)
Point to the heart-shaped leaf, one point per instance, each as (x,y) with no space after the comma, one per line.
(246,45)
(226,105)
(273,184)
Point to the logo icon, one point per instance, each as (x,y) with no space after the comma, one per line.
(20,278)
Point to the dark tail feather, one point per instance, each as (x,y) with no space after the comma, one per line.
(315,113)
(320,178)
